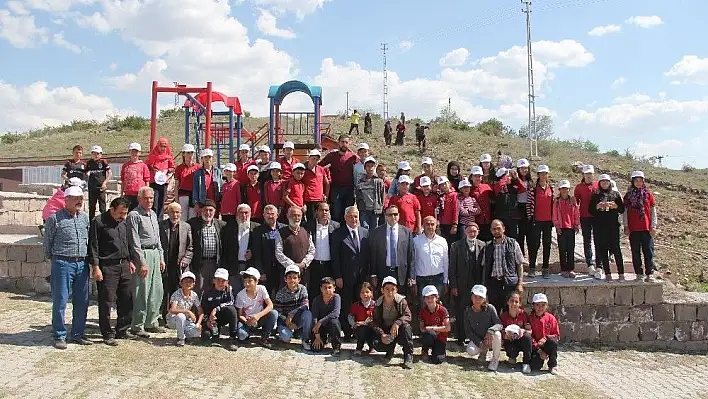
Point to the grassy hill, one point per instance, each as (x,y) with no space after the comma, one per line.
(682,241)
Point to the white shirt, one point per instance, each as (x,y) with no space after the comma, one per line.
(244,232)
(389,244)
(250,305)
(322,243)
(430,256)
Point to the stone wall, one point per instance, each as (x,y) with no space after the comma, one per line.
(23,268)
(21,209)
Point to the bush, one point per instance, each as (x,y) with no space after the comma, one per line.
(546,148)
(585,145)
(443,137)
(129,122)
(613,153)
(687,167)
(246,114)
(460,125)
(170,113)
(9,138)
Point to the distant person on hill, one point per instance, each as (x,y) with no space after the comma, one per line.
(134,175)
(400,133)
(367,124)
(99,173)
(75,167)
(420,138)
(403,118)
(388,132)
(355,118)
(640,222)
(162,166)
(183,174)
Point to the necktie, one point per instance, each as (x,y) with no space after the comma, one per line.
(392,246)
(355,239)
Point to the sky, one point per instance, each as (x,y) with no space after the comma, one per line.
(625,74)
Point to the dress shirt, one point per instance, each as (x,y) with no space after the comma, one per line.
(66,234)
(430,256)
(209,241)
(244,233)
(143,231)
(389,244)
(322,253)
(285,261)
(108,239)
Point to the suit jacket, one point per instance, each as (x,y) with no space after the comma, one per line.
(196,223)
(263,248)
(312,228)
(229,235)
(347,263)
(185,241)
(466,267)
(404,253)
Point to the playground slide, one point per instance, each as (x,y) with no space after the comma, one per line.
(328,142)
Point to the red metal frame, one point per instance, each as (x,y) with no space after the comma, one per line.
(180,90)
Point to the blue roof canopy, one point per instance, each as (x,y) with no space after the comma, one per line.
(278,93)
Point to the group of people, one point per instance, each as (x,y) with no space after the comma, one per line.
(332,250)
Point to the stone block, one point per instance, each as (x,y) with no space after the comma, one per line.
(35,205)
(663,312)
(14,269)
(25,284)
(600,295)
(682,330)
(570,314)
(35,253)
(628,333)
(3,250)
(648,331)
(588,313)
(567,331)
(702,312)
(531,291)
(4,269)
(688,347)
(28,269)
(699,330)
(654,294)
(572,296)
(665,330)
(638,295)
(6,284)
(602,314)
(587,333)
(5,220)
(623,296)
(640,314)
(17,253)
(41,286)
(618,313)
(43,269)
(553,295)
(609,333)
(685,312)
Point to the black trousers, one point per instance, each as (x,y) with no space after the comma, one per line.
(96,195)
(511,227)
(540,232)
(551,349)
(524,233)
(485,232)
(229,219)
(523,345)
(642,243)
(498,293)
(429,340)
(115,290)
(353,127)
(349,292)
(566,249)
(226,316)
(170,283)
(331,332)
(133,201)
(318,271)
(159,192)
(587,226)
(404,338)
(387,138)
(364,335)
(462,301)
(400,138)
(607,241)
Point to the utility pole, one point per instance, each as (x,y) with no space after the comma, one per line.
(346,113)
(176,95)
(660,158)
(533,137)
(384,47)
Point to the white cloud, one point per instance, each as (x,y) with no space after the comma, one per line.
(20,30)
(604,29)
(17,8)
(56,5)
(152,70)
(690,69)
(113,66)
(40,105)
(59,40)
(405,45)
(95,21)
(267,24)
(299,7)
(676,152)
(645,21)
(618,82)
(636,98)
(455,58)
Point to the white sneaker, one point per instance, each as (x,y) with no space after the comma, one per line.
(493,365)
(651,278)
(591,270)
(554,371)
(526,369)
(180,342)
(599,275)
(512,361)
(306,346)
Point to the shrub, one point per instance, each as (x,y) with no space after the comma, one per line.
(546,148)
(443,137)
(129,122)
(460,125)
(9,138)
(246,114)
(585,145)
(170,113)
(613,153)
(687,167)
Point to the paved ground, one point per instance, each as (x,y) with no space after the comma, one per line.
(137,369)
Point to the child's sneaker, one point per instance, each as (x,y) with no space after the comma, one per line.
(546,274)
(180,342)
(599,274)
(640,277)
(554,370)
(266,344)
(493,365)
(571,274)
(651,278)
(531,273)
(511,361)
(306,346)
(357,352)
(591,270)
(621,278)
(608,278)
(232,345)
(526,369)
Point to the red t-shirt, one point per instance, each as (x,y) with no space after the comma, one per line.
(543,326)
(520,320)
(184,174)
(634,221)
(407,205)
(582,194)
(483,194)
(449,208)
(415,188)
(209,184)
(273,192)
(342,167)
(360,312)
(295,190)
(314,184)
(133,176)
(428,204)
(435,319)
(241,173)
(287,167)
(253,199)
(543,211)
(230,197)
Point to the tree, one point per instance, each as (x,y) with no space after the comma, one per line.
(491,127)
(544,128)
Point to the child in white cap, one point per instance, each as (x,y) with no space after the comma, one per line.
(370,195)
(566,219)
(407,204)
(230,195)
(545,334)
(640,223)
(134,174)
(99,173)
(255,308)
(181,317)
(606,206)
(293,307)
(183,177)
(218,305)
(434,325)
(391,324)
(483,328)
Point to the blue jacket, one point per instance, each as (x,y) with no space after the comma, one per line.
(199,188)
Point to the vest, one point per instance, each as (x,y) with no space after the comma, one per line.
(510,274)
(295,246)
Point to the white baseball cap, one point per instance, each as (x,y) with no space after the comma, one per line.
(207,152)
(188,274)
(273,165)
(135,146)
(564,184)
(73,191)
(253,167)
(604,177)
(477,170)
(404,179)
(426,161)
(523,163)
(314,153)
(443,179)
(637,173)
(542,169)
(425,181)
(540,297)
(404,165)
(369,159)
(221,273)
(253,272)
(97,148)
(292,269)
(264,148)
(230,166)
(188,148)
(289,144)
(464,183)
(389,279)
(298,166)
(588,169)
(76,181)
(479,290)
(429,290)
(244,147)
(501,172)
(362,146)
(485,158)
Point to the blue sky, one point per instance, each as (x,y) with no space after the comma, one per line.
(625,74)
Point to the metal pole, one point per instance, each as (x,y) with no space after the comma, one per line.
(384,47)
(533,136)
(207,134)
(346,112)
(153,115)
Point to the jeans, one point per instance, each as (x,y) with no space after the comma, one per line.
(184,326)
(586,224)
(96,195)
(159,191)
(539,231)
(266,322)
(369,219)
(68,276)
(404,338)
(642,243)
(607,241)
(115,290)
(340,199)
(566,249)
(551,349)
(148,293)
(430,340)
(474,350)
(364,335)
(522,345)
(226,316)
(303,321)
(331,331)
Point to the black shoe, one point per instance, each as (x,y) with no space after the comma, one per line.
(336,351)
(389,355)
(266,344)
(156,330)
(141,334)
(60,344)
(110,341)
(81,341)
(125,335)
(408,362)
(424,350)
(232,345)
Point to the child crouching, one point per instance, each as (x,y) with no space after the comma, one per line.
(517,337)
(255,309)
(434,324)
(392,318)
(293,309)
(360,318)
(545,335)
(483,328)
(180,316)
(218,303)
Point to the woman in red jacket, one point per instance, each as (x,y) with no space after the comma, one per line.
(161,166)
(183,174)
(483,194)
(539,208)
(566,219)
(640,224)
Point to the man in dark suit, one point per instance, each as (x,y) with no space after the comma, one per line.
(262,246)
(237,241)
(350,262)
(176,240)
(384,261)
(206,244)
(466,269)
(321,229)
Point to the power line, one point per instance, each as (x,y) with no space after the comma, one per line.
(533,137)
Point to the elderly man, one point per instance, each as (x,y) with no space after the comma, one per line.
(342,167)
(503,266)
(466,269)
(207,244)
(350,262)
(146,252)
(112,269)
(262,246)
(176,240)
(430,259)
(294,246)
(391,250)
(66,244)
(321,229)
(237,241)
